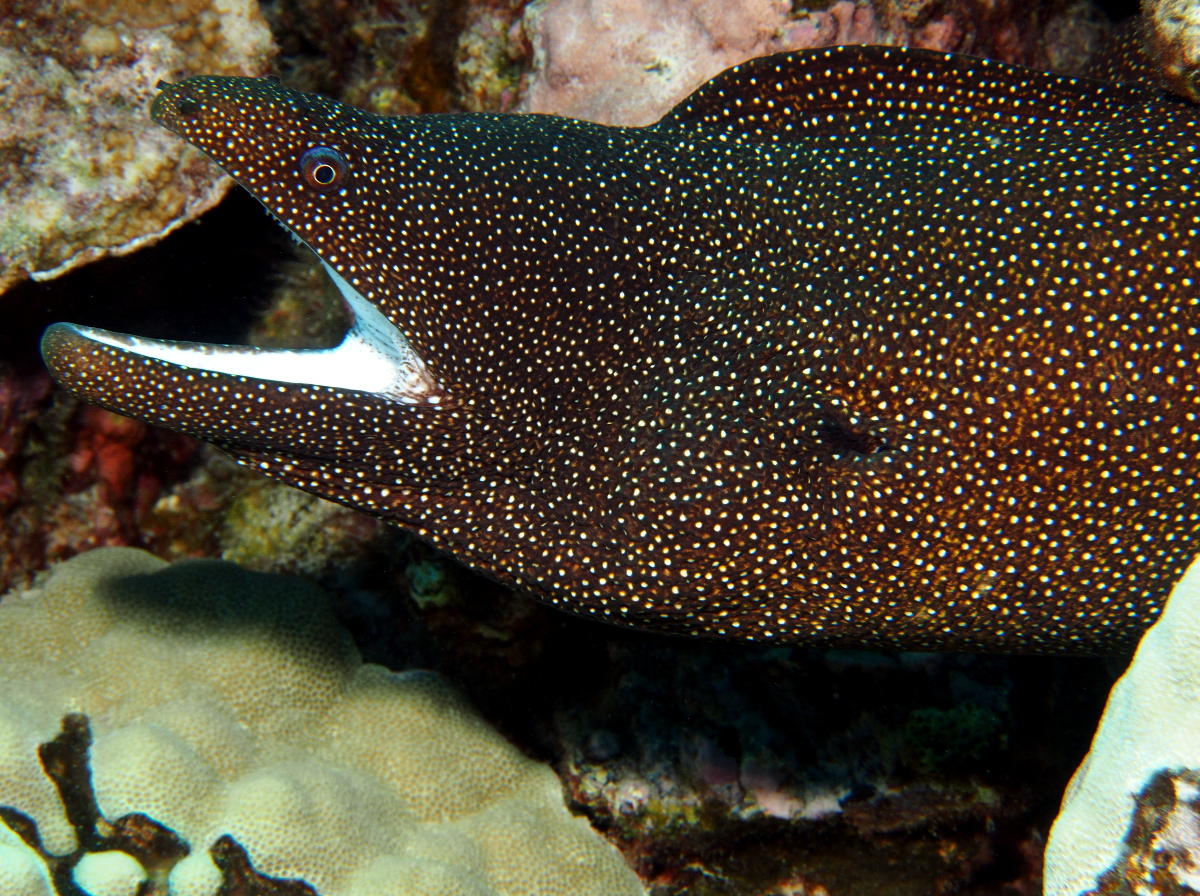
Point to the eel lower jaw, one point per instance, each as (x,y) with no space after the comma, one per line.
(373,357)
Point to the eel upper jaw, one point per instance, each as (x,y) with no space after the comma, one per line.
(373,357)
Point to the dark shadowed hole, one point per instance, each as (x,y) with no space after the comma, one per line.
(206,282)
(1118,10)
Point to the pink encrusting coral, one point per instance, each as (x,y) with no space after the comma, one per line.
(75,477)
(128,463)
(628,61)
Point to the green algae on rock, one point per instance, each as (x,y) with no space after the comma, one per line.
(84,174)
(226,702)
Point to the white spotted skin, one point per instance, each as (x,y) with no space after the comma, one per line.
(859,346)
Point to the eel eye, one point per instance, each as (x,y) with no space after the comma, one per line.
(324,169)
(186,105)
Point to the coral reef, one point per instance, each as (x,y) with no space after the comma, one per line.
(756,769)
(21,397)
(629,61)
(130,856)
(1142,766)
(626,61)
(230,704)
(1160,853)
(75,477)
(1172,40)
(404,56)
(22,871)
(85,171)
(109,873)
(736,772)
(273,529)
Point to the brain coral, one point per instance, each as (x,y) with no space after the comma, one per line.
(227,702)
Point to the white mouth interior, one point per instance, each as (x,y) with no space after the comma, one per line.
(373,357)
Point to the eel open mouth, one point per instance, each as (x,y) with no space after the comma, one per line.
(373,357)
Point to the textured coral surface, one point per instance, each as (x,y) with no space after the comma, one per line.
(232,703)
(404,56)
(629,61)
(1172,37)
(84,171)
(1135,794)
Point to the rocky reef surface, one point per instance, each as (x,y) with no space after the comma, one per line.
(629,61)
(84,171)
(713,768)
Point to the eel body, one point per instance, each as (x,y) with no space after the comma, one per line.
(861,346)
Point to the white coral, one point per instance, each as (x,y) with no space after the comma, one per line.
(229,702)
(109,874)
(22,872)
(1151,723)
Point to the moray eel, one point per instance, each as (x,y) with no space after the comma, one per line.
(859,346)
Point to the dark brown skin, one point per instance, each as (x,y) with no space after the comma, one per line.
(859,346)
